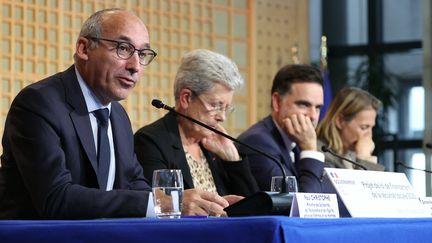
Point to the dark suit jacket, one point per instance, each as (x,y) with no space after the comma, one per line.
(49,158)
(158,146)
(265,136)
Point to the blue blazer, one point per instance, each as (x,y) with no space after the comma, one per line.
(49,157)
(265,136)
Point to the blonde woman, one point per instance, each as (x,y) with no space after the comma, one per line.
(347,129)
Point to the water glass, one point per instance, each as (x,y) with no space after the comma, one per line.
(291,184)
(167,193)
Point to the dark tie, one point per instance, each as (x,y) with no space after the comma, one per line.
(102,116)
(296,151)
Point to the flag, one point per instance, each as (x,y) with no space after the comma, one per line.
(328,96)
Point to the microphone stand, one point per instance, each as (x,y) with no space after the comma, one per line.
(325,149)
(411,168)
(260,203)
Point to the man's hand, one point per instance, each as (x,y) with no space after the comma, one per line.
(221,146)
(301,130)
(199,202)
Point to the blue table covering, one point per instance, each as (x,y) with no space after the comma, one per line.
(242,229)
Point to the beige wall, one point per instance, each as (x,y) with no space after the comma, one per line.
(37,39)
(280,26)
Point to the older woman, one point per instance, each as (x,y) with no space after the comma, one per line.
(203,89)
(347,128)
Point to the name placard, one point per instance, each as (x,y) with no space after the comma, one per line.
(314,205)
(376,193)
(427,203)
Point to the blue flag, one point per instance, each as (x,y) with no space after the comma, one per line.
(327,93)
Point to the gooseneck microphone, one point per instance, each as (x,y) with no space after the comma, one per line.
(326,149)
(260,203)
(159,104)
(411,168)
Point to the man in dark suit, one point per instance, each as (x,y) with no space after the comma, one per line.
(57,163)
(288,133)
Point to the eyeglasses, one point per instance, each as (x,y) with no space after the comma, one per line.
(215,108)
(125,50)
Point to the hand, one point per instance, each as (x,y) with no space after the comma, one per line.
(364,146)
(233,198)
(221,146)
(199,202)
(301,130)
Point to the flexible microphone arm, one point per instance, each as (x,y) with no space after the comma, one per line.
(325,149)
(159,104)
(411,168)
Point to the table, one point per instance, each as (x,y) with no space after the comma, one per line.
(208,230)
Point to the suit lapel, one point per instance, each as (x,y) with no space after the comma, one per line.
(285,152)
(79,114)
(179,157)
(122,147)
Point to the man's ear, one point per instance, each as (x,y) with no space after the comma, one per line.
(185,98)
(82,46)
(275,101)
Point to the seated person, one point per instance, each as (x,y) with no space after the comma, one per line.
(288,133)
(203,89)
(347,129)
(61,160)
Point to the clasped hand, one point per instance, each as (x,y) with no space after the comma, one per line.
(221,146)
(364,146)
(199,202)
(301,130)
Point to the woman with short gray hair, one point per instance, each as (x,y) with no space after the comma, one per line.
(204,88)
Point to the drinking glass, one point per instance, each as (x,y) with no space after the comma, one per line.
(291,184)
(167,193)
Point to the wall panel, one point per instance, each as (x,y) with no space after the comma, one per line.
(37,39)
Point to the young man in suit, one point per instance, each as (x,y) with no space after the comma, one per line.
(288,133)
(61,159)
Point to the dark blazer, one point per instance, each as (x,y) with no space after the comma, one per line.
(49,157)
(158,146)
(265,136)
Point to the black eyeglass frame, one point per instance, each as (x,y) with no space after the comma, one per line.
(152,53)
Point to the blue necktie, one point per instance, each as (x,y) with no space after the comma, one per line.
(102,116)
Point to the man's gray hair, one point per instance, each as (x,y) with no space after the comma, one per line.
(92,27)
(201,69)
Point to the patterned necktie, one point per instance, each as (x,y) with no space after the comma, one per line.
(102,116)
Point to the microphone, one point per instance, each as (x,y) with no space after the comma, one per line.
(411,168)
(260,203)
(159,104)
(326,149)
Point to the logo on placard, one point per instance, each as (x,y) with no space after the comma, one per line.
(334,175)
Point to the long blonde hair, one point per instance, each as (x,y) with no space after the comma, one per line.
(347,103)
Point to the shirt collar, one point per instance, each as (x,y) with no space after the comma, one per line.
(92,102)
